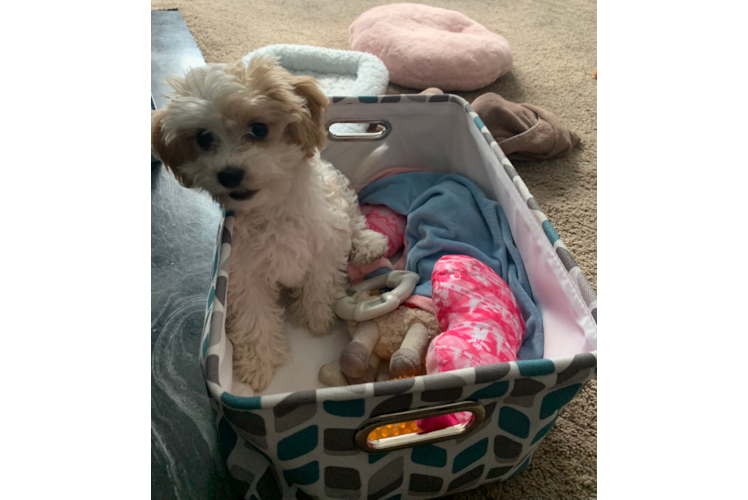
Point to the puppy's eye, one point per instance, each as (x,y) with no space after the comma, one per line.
(258,130)
(205,140)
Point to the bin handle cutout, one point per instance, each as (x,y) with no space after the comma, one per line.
(384,129)
(411,439)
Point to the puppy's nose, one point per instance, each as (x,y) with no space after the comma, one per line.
(230,177)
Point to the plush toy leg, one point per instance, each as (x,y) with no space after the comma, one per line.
(354,359)
(383,373)
(371,372)
(331,375)
(406,361)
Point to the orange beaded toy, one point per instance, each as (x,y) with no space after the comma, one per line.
(393,430)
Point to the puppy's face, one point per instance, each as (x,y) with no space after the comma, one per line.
(240,133)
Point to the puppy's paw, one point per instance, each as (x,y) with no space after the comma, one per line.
(367,247)
(257,372)
(318,317)
(256,363)
(321,321)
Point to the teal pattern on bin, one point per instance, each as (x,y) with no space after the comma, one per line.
(318,453)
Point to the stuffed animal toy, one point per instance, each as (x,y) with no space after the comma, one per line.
(401,336)
(390,326)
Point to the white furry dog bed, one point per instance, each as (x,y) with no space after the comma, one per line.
(341,72)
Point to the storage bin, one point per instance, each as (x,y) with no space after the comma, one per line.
(303,444)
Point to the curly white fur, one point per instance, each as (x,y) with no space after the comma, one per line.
(296,218)
(306,253)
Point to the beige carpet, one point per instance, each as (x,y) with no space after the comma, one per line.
(555,54)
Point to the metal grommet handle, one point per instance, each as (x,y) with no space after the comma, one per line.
(414,439)
(386,128)
(402,284)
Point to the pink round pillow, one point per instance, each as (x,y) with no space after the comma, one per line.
(426,46)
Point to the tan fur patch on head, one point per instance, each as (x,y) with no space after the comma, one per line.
(174,153)
(300,97)
(310,132)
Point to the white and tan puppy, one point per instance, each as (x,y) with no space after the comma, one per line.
(250,136)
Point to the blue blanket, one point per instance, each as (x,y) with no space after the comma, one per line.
(448,215)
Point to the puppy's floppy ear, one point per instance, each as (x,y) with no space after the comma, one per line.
(173,154)
(310,132)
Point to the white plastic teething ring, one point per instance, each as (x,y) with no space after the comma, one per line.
(402,284)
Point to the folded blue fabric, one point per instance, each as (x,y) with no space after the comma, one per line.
(449,215)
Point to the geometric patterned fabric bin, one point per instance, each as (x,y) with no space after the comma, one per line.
(301,445)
